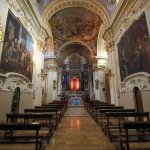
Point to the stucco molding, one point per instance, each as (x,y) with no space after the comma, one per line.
(9,81)
(140,80)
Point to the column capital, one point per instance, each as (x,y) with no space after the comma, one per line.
(52,64)
(41,45)
(52,68)
(94,61)
(99,68)
(110,46)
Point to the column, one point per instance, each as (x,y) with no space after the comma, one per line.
(112,71)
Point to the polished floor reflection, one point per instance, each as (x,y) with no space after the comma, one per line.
(78,131)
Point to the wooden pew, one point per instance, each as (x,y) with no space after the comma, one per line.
(130,138)
(64,103)
(43,119)
(92,106)
(96,111)
(62,106)
(112,130)
(88,103)
(13,139)
(60,109)
(54,112)
(102,120)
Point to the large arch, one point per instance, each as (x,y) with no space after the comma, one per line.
(74,42)
(92,5)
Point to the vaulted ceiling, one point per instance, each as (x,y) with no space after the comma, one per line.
(76,21)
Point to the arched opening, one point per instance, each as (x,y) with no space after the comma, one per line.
(15,101)
(138,99)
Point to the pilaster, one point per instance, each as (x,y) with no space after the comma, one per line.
(51,65)
(99,80)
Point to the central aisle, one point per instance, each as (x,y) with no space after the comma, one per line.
(78,131)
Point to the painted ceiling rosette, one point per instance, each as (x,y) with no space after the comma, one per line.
(75,23)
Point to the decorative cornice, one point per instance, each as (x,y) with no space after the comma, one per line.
(9,81)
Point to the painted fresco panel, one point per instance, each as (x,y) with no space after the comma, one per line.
(134,49)
(17,51)
(75,24)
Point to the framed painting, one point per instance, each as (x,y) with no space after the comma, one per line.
(17,50)
(134,49)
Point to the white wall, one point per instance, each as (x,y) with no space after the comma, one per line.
(51,93)
(26,101)
(146,100)
(126,100)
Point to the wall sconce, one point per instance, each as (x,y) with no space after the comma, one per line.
(97,84)
(43,73)
(1,33)
(54,84)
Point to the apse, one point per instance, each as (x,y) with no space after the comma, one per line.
(76,65)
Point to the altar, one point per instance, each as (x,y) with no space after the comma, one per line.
(75,99)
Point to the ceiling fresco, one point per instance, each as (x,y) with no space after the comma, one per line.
(75,23)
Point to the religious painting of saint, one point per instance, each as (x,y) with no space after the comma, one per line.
(134,49)
(17,51)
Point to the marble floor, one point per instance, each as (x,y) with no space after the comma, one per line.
(78,131)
